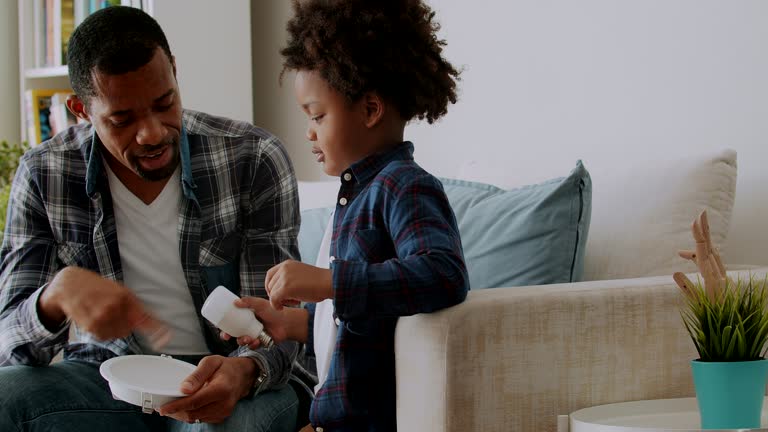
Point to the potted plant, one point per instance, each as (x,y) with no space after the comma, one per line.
(728,322)
(9,161)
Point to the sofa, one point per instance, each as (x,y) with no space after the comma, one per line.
(599,324)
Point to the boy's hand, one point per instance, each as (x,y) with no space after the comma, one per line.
(274,321)
(291,282)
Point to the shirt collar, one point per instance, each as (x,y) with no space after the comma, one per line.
(365,169)
(95,167)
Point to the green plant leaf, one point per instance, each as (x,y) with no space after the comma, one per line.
(732,327)
(9,161)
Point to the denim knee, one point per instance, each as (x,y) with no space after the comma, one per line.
(20,388)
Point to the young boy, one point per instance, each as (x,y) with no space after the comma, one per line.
(363,70)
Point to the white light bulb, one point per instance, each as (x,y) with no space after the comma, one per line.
(220,310)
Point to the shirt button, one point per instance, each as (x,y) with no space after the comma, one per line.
(343,201)
(347,176)
(331,259)
(337,321)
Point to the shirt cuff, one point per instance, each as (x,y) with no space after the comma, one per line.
(263,373)
(34,326)
(309,346)
(350,288)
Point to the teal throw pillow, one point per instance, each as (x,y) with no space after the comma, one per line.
(532,235)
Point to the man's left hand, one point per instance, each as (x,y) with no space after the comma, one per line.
(214,388)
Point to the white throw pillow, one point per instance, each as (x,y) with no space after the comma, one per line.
(642,212)
(316,194)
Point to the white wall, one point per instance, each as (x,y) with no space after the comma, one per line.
(10,122)
(212,43)
(601,79)
(274,105)
(548,82)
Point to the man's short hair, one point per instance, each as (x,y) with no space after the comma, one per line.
(114,40)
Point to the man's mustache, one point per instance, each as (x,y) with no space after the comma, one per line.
(152,149)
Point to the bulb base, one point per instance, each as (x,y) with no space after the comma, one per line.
(266,340)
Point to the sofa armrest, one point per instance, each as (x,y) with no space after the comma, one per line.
(512,359)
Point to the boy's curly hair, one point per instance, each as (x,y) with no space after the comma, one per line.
(386,46)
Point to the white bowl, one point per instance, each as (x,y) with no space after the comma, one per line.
(144,380)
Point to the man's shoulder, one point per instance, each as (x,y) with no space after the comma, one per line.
(199,123)
(233,140)
(64,152)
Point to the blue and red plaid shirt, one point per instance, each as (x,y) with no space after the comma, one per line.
(395,251)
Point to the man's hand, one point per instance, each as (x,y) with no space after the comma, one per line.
(291,282)
(274,321)
(214,387)
(289,323)
(99,306)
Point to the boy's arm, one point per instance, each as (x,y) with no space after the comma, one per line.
(429,272)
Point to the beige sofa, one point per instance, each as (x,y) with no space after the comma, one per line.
(513,359)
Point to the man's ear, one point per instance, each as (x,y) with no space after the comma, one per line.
(374,108)
(77,107)
(173,65)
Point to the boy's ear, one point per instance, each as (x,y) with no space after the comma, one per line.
(374,109)
(77,107)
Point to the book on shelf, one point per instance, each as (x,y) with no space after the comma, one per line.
(54,21)
(65,28)
(37,104)
(61,117)
(49,31)
(39,36)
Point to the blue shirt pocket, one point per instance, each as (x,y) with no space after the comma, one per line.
(220,262)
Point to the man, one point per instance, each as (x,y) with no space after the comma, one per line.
(120,228)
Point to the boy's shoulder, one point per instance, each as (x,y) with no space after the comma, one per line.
(402,175)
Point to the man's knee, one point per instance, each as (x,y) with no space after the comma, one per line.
(21,387)
(275,411)
(64,396)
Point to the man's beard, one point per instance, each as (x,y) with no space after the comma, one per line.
(159,174)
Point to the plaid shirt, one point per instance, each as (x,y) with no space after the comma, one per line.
(239,216)
(395,251)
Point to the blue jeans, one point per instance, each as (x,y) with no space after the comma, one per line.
(72,396)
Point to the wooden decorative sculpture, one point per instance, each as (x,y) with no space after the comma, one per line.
(707,259)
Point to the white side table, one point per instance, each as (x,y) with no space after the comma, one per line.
(661,415)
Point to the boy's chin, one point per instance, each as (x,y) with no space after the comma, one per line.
(330,170)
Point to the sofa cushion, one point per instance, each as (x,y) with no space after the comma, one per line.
(642,214)
(313,224)
(526,236)
(642,210)
(532,235)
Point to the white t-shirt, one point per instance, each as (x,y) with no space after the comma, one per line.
(325,328)
(148,239)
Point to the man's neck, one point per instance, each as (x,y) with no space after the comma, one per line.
(144,190)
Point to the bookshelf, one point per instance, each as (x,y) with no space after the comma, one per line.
(44,28)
